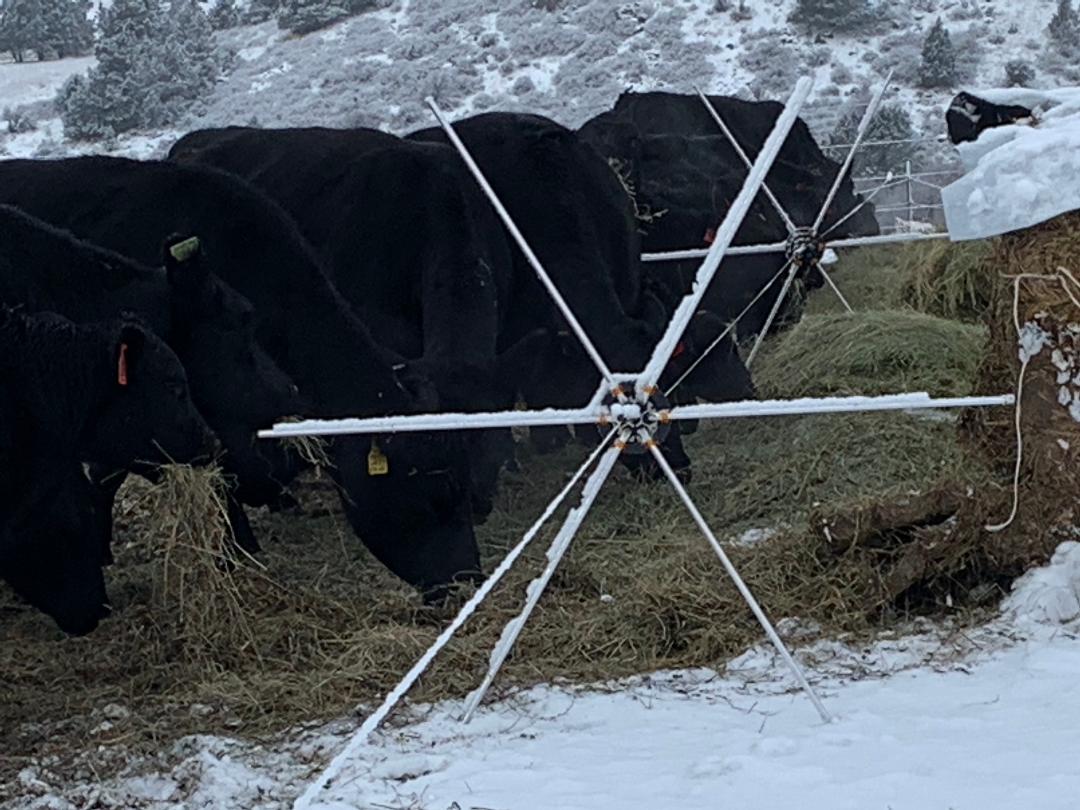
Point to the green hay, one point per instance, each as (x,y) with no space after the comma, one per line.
(949,280)
(869,278)
(875,352)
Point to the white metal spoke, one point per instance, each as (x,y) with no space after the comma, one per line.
(727,331)
(536,588)
(832,284)
(773,313)
(781,247)
(724,235)
(508,221)
(818,405)
(413,423)
(744,591)
(860,135)
(376,718)
(788,223)
(866,200)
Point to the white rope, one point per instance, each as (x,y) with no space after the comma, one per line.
(536,588)
(376,718)
(789,224)
(727,331)
(1064,277)
(744,591)
(508,221)
(864,126)
(725,234)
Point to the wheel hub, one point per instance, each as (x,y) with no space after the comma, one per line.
(640,420)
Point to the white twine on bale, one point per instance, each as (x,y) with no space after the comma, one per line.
(1030,345)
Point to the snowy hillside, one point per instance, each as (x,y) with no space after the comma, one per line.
(472,55)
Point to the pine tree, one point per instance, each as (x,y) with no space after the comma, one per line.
(259,11)
(829,16)
(224,15)
(305,16)
(1064,27)
(68,31)
(152,63)
(23,27)
(938,68)
(892,125)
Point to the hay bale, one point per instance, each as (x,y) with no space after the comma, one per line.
(1050,473)
(876,352)
(946,279)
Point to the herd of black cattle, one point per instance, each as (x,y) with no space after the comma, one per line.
(155,311)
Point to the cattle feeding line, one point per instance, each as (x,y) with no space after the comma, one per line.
(635,426)
(523,244)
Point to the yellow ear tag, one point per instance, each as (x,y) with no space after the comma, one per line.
(377,462)
(182,251)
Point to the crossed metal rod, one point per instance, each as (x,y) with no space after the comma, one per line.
(636,416)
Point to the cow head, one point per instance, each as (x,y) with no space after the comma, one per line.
(146,412)
(233,380)
(52,557)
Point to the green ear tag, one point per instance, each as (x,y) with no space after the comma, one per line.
(377,462)
(182,251)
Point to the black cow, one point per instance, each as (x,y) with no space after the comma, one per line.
(412,245)
(413,511)
(573,211)
(684,171)
(968,116)
(110,393)
(235,385)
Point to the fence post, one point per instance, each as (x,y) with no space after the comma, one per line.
(910,193)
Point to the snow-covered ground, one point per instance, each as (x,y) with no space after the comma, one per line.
(980,719)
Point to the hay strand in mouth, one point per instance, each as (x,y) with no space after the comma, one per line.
(313,450)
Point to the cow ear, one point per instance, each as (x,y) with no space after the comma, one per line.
(184,266)
(128,352)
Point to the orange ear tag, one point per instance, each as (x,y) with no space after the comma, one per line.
(121,369)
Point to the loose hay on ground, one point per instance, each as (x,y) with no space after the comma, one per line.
(871,352)
(328,629)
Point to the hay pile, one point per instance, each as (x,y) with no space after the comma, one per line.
(871,352)
(1049,312)
(949,280)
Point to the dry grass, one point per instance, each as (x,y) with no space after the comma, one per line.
(319,628)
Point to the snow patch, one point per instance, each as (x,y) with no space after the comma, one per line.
(1048,595)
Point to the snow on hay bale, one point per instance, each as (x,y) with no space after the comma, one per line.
(1035,276)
